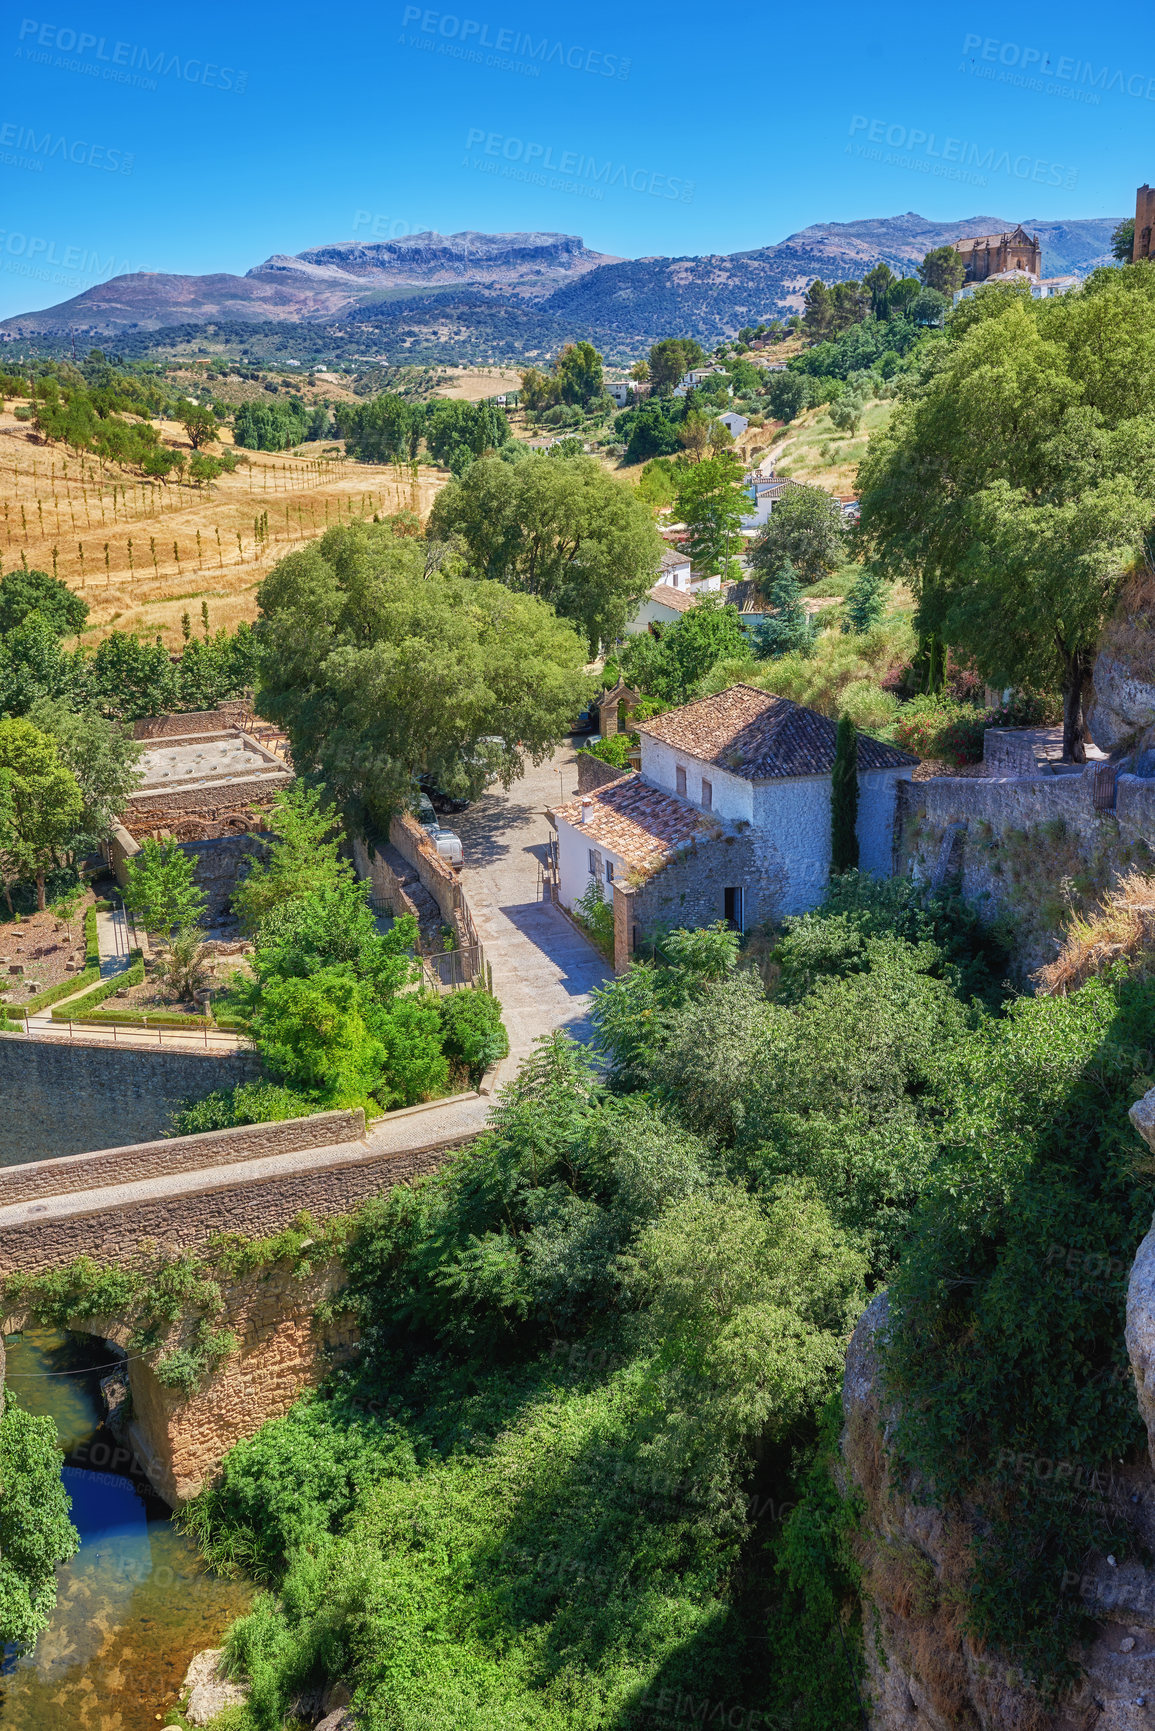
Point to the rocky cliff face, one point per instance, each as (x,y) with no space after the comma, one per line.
(1121,716)
(923,1671)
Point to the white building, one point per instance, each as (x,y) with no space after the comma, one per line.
(664,605)
(728,818)
(621,391)
(736,423)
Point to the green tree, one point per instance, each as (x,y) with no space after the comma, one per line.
(102,756)
(711,500)
(942,269)
(302,857)
(25,592)
(670,359)
(670,666)
(786,630)
(1012,487)
(844,799)
(473,1032)
(878,283)
(846,411)
(786,395)
(35,1531)
(865,601)
(35,664)
(566,532)
(579,374)
(929,307)
(45,801)
(198,421)
(161,887)
(130,679)
(817,312)
(805,526)
(1123,240)
(381,673)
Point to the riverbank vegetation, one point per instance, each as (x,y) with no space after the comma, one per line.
(580,1472)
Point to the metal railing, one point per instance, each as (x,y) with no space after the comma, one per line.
(453,970)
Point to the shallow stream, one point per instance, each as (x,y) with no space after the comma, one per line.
(136,1602)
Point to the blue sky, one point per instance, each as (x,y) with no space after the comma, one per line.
(196,139)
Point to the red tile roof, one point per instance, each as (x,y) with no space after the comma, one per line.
(760,737)
(640,823)
(681,600)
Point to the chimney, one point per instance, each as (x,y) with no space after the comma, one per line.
(586,805)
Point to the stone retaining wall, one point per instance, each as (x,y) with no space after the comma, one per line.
(176,1154)
(177,1214)
(63,1098)
(412,843)
(229,714)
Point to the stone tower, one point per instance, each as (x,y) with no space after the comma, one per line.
(1144,222)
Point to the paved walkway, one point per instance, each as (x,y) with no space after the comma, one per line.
(543,970)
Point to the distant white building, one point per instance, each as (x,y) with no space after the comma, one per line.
(621,391)
(1041,288)
(735,422)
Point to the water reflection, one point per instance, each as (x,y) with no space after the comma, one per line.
(135,1603)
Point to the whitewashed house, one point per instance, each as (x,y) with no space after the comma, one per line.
(621,391)
(728,817)
(734,422)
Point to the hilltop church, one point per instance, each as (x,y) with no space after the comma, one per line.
(988,255)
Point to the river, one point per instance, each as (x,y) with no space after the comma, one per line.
(136,1602)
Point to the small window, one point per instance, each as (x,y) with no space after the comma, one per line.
(707,794)
(680,778)
(609,871)
(595,863)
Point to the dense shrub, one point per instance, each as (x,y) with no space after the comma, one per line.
(940,727)
(472,1032)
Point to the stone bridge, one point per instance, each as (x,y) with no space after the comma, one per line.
(118,1205)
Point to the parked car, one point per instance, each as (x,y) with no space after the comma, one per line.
(446,841)
(587,721)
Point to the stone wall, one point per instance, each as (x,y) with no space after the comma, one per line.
(75,1172)
(182,1210)
(593,773)
(222,862)
(64,1098)
(1028,849)
(412,843)
(209,804)
(690,890)
(232,713)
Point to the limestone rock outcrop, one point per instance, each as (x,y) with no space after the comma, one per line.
(923,1672)
(209,1693)
(1123,709)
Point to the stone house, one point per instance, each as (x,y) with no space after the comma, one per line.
(727,818)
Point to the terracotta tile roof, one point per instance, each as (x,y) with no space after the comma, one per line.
(680,600)
(759,737)
(640,823)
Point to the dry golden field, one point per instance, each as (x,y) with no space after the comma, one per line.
(140,552)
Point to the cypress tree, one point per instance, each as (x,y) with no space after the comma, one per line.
(844,800)
(865,602)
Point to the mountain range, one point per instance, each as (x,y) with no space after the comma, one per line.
(473,296)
